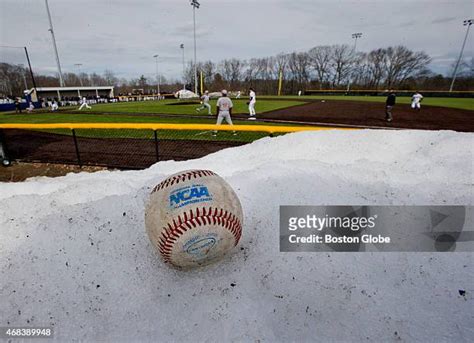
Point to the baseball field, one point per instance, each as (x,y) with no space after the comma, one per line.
(141,148)
(436,113)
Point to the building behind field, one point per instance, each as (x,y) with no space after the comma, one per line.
(62,93)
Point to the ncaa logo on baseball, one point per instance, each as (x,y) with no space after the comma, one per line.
(188,195)
(193,218)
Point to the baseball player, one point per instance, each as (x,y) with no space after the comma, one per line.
(17,105)
(389,103)
(238,95)
(416,101)
(54,106)
(224,110)
(84,104)
(251,103)
(205,103)
(31,107)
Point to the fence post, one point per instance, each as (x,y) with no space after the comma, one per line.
(77,148)
(156,146)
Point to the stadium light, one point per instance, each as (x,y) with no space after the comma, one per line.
(78,65)
(195,5)
(355,36)
(157,76)
(467,23)
(184,68)
(61,80)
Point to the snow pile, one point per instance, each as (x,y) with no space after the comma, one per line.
(74,253)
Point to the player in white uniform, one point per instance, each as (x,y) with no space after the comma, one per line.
(252,101)
(30,108)
(54,106)
(238,95)
(84,104)
(205,103)
(416,101)
(224,110)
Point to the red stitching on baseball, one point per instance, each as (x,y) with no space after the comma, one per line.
(171,234)
(182,177)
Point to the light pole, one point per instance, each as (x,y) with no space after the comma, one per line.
(184,68)
(31,70)
(467,23)
(61,80)
(355,36)
(195,5)
(157,76)
(78,65)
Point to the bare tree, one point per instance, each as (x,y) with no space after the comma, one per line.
(208,69)
(231,71)
(110,78)
(320,59)
(299,68)
(189,74)
(12,79)
(280,63)
(402,63)
(250,73)
(225,70)
(342,60)
(376,61)
(71,79)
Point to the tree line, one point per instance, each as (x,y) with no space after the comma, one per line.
(331,67)
(322,67)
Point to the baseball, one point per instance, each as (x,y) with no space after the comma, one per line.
(193,218)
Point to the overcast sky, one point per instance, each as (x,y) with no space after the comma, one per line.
(123,35)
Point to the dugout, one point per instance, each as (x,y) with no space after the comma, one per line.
(61,93)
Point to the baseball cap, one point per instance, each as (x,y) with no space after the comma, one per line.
(224,92)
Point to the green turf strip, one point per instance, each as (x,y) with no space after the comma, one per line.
(175,107)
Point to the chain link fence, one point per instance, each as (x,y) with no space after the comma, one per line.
(123,147)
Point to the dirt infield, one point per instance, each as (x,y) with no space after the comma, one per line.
(125,153)
(355,113)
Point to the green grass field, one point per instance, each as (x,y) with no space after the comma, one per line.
(461,103)
(129,112)
(174,107)
(66,117)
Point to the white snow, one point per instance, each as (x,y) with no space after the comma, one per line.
(75,255)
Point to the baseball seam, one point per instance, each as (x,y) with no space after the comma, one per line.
(192,174)
(192,219)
